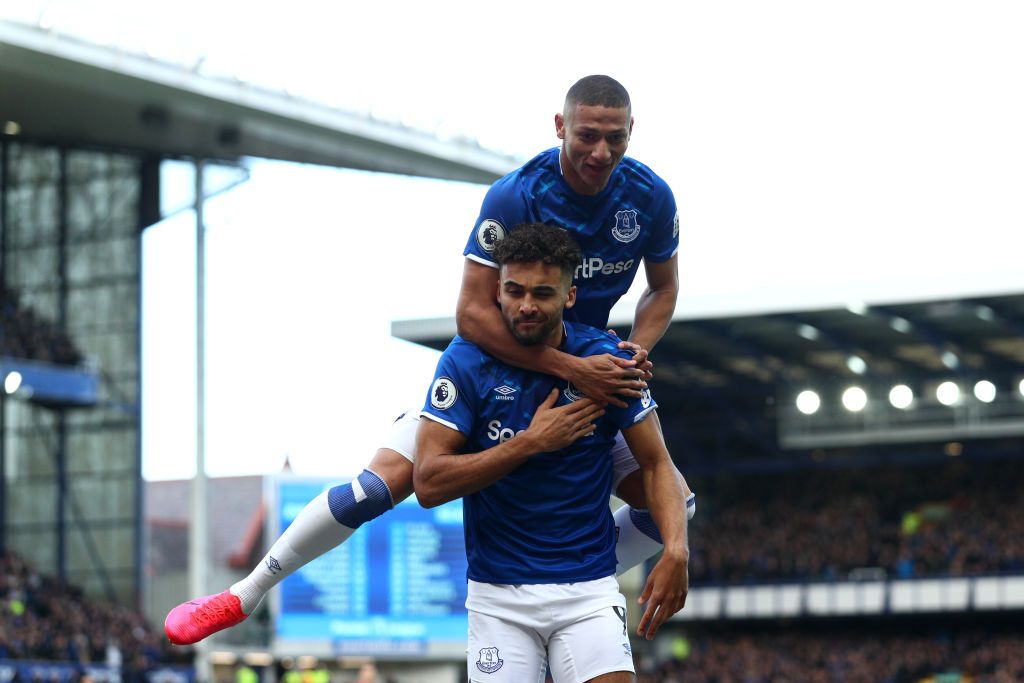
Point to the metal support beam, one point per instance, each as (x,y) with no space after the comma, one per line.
(61,453)
(4,170)
(197,556)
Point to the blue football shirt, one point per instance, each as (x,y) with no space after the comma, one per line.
(548,521)
(632,219)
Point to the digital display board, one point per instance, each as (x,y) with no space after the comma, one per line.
(396,587)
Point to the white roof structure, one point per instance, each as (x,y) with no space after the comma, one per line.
(61,89)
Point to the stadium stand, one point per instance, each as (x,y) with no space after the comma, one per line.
(915,513)
(42,619)
(850,655)
(928,520)
(23,334)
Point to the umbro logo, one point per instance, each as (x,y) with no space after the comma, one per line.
(505,393)
(272,564)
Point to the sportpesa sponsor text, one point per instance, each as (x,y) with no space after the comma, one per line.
(595,265)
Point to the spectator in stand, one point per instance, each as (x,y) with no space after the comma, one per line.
(24,335)
(852,657)
(959,521)
(44,619)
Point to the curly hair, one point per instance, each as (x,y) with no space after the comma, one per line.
(538,242)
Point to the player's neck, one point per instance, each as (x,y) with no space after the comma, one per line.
(571,178)
(557,336)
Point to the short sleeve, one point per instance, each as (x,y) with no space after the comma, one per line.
(502,210)
(664,242)
(636,409)
(452,398)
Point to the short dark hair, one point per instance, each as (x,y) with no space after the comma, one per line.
(597,91)
(539,242)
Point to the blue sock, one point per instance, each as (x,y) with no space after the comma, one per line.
(362,499)
(643,521)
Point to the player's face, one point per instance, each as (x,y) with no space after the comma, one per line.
(532,297)
(594,140)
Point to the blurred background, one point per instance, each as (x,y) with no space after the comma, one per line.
(230,243)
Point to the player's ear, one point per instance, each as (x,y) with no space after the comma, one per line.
(630,134)
(570,298)
(560,126)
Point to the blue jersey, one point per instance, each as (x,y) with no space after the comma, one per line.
(633,218)
(547,521)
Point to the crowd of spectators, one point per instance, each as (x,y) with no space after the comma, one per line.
(44,619)
(24,334)
(952,519)
(854,657)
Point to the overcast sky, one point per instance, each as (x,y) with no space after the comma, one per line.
(821,152)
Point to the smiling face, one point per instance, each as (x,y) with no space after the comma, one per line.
(594,140)
(532,297)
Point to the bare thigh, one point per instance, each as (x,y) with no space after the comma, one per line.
(613,677)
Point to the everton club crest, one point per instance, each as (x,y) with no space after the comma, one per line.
(626,228)
(489,661)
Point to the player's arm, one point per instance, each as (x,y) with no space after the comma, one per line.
(441,473)
(657,303)
(668,583)
(604,378)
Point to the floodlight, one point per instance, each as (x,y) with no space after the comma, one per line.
(855,399)
(857,365)
(1020,387)
(900,324)
(808,402)
(12,382)
(947,393)
(950,360)
(901,396)
(985,391)
(857,307)
(808,332)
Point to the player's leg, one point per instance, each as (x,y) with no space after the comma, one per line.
(503,651)
(637,535)
(594,645)
(327,521)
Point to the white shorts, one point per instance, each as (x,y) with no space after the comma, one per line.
(516,633)
(402,439)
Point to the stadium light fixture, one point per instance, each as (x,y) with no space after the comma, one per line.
(855,399)
(947,393)
(12,382)
(857,365)
(900,324)
(12,128)
(1020,388)
(985,313)
(901,396)
(985,391)
(950,360)
(808,332)
(857,307)
(808,402)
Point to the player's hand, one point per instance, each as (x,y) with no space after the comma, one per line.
(640,357)
(607,378)
(555,428)
(664,593)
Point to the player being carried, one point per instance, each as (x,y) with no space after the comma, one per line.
(539,531)
(620,213)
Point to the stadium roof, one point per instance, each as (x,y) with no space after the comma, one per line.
(940,337)
(726,384)
(60,89)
